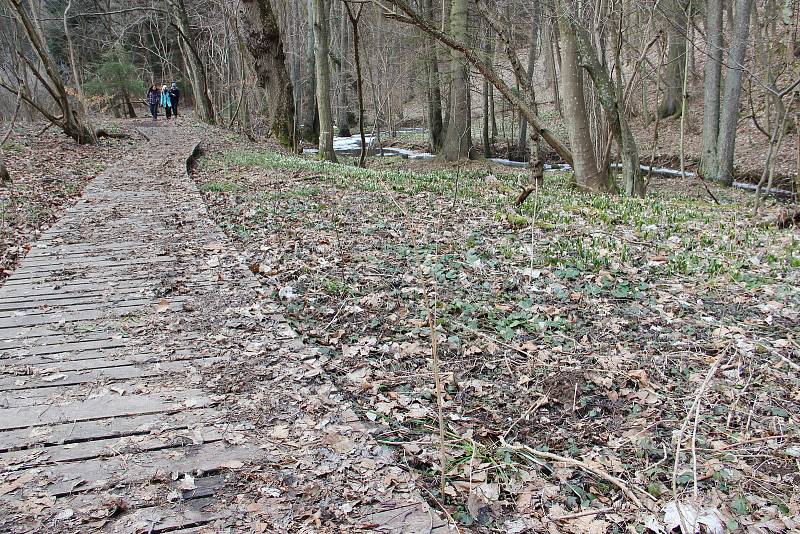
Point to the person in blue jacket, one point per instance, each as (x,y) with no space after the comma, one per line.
(166,102)
(153,99)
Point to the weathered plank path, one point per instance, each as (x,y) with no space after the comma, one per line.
(126,336)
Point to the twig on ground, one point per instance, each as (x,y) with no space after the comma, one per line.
(583,514)
(586,467)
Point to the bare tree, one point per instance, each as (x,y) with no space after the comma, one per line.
(673,76)
(47,73)
(193,60)
(458,138)
(321,9)
(264,42)
(587,174)
(729,117)
(711,88)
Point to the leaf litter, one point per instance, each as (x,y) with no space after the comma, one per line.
(584,330)
(49,171)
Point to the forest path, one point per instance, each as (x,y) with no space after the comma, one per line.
(147,386)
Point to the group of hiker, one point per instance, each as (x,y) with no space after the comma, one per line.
(166,97)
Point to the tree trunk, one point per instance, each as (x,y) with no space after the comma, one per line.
(343,102)
(673,76)
(523,123)
(264,42)
(5,178)
(70,122)
(433,91)
(128,104)
(310,124)
(610,96)
(584,163)
(709,163)
(197,70)
(323,71)
(354,20)
(729,119)
(458,140)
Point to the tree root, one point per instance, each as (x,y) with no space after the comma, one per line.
(102,132)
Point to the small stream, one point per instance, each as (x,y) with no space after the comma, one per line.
(351,146)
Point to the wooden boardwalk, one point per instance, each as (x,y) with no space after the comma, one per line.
(101,386)
(116,336)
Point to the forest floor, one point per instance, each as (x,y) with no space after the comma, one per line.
(607,363)
(147,385)
(49,172)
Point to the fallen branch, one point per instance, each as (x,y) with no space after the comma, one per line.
(583,465)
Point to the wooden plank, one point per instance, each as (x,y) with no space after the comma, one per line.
(89,297)
(110,273)
(57,340)
(8,323)
(45,397)
(87,264)
(94,348)
(181,518)
(72,290)
(121,302)
(97,474)
(52,255)
(82,431)
(69,361)
(102,374)
(402,518)
(45,248)
(61,317)
(111,446)
(101,305)
(100,359)
(102,408)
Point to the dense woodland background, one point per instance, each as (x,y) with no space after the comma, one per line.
(592,83)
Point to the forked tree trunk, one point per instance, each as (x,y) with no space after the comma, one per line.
(264,42)
(458,139)
(609,95)
(321,51)
(729,119)
(584,164)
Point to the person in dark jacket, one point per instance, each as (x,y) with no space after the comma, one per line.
(174,97)
(153,99)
